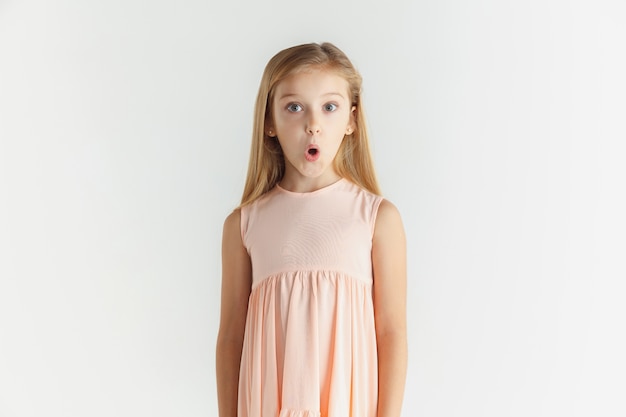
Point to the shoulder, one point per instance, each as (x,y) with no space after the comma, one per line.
(257,204)
(233,219)
(388,222)
(388,211)
(232,224)
(358,193)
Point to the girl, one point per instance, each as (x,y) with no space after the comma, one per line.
(313,310)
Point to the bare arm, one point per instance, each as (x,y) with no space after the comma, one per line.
(389,263)
(236,284)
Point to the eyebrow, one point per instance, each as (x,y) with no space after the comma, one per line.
(288,95)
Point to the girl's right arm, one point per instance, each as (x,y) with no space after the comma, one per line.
(236,284)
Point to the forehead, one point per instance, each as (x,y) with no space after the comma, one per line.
(312,82)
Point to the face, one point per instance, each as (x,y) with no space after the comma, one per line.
(312,113)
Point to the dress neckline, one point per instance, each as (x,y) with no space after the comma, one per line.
(311,193)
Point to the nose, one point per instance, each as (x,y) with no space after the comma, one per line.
(313,125)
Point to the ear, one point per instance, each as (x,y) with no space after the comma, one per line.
(352,123)
(270,131)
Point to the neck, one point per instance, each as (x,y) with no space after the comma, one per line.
(307,185)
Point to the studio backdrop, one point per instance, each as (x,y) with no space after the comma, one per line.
(497,130)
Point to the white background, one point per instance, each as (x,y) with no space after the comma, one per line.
(498,129)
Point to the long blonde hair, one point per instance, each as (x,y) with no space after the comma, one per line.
(267,163)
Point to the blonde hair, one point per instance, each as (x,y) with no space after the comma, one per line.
(267,163)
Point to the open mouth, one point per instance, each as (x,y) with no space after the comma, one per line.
(312,153)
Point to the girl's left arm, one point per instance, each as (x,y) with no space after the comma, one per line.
(389,265)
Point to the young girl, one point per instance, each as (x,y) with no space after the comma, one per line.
(313,310)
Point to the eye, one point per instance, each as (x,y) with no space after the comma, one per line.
(330,107)
(294,107)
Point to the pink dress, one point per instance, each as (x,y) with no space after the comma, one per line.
(310,342)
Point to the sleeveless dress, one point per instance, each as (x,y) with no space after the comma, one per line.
(310,344)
